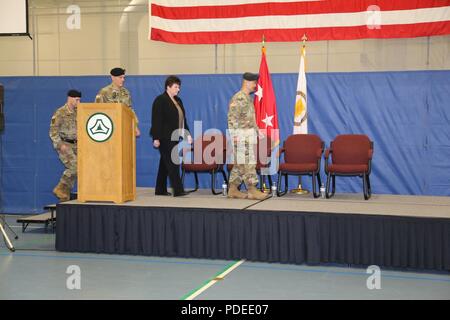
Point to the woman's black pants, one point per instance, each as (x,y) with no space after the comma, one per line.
(167,168)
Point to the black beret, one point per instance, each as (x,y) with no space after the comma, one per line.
(116,72)
(74,93)
(250,76)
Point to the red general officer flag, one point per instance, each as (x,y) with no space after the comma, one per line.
(265,103)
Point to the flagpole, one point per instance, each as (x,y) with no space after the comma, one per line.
(304,39)
(265,188)
(299,189)
(263,49)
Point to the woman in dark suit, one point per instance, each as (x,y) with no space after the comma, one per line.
(168,115)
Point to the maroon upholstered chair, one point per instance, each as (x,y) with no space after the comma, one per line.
(302,155)
(209,159)
(351,155)
(262,160)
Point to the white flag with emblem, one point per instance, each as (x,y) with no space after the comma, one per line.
(300,113)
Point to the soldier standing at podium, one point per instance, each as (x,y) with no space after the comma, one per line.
(63,132)
(117,93)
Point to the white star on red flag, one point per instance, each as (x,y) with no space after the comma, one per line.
(259,92)
(268,121)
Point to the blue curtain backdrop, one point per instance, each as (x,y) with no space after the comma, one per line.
(406,114)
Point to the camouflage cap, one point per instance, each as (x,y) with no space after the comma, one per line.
(116,72)
(74,93)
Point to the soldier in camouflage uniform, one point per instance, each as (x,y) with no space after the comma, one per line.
(117,93)
(63,132)
(244,132)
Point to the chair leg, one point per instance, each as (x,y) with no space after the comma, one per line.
(279,192)
(183,173)
(196,182)
(327,188)
(213,183)
(314,188)
(333,184)
(366,187)
(286,183)
(224,175)
(279,184)
(213,176)
(369,189)
(270,180)
(319,181)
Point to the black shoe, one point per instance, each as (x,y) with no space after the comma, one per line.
(181,194)
(163,193)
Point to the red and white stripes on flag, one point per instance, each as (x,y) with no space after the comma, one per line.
(236,21)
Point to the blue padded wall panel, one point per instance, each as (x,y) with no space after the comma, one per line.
(406,114)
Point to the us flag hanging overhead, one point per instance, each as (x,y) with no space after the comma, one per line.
(236,21)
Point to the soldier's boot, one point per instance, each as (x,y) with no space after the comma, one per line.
(62,192)
(234,192)
(255,194)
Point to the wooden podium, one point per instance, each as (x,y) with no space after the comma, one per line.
(106,152)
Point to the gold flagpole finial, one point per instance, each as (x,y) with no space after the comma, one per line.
(263,44)
(304,39)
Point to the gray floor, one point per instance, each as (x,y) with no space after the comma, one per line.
(37,271)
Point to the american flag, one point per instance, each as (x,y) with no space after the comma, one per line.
(236,21)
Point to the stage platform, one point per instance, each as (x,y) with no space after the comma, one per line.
(387,230)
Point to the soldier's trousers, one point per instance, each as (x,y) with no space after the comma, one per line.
(244,173)
(244,168)
(69,159)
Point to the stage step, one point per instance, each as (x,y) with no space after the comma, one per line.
(47,218)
